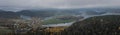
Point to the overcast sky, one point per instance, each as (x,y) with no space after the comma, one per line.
(27,4)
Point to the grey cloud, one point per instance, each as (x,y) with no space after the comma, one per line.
(26,4)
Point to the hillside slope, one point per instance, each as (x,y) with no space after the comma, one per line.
(98,25)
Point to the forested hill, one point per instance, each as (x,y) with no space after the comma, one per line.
(35,13)
(43,13)
(97,25)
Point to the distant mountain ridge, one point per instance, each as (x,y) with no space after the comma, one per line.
(55,12)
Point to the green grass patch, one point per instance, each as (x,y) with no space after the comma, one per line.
(56,21)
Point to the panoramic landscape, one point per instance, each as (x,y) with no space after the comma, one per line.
(59,17)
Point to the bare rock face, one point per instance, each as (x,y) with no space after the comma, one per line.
(97,25)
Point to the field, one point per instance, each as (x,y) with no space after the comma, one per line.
(56,21)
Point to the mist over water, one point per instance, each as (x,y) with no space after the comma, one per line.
(83,14)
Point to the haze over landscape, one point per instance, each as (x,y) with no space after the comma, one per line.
(59,17)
